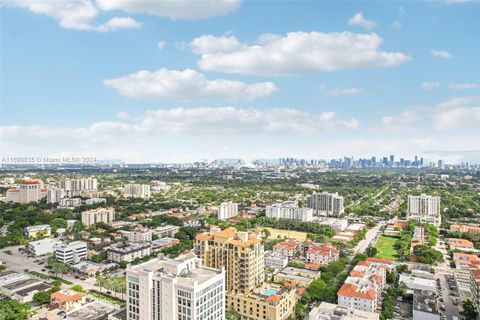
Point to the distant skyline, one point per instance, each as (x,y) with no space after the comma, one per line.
(180,81)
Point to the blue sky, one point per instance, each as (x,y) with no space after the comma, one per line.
(251,79)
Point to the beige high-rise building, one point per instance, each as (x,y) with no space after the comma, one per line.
(79,186)
(424,209)
(242,256)
(136,190)
(91,217)
(30,190)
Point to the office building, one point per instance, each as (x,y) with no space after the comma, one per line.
(55,195)
(227,210)
(135,190)
(183,289)
(289,210)
(91,217)
(79,186)
(242,254)
(326,204)
(43,247)
(424,209)
(72,253)
(70,202)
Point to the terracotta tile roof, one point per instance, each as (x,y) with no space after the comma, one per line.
(351,291)
(227,233)
(32,181)
(203,237)
(373,259)
(274,298)
(476,274)
(67,295)
(313,266)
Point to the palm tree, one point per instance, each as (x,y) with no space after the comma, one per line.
(100,282)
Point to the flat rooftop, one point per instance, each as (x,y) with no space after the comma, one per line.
(96,310)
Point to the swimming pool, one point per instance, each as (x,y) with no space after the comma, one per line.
(269,292)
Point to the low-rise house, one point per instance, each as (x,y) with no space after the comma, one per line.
(67,300)
(127,252)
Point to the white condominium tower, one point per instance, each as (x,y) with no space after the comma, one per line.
(136,190)
(289,210)
(425,209)
(326,204)
(227,210)
(91,217)
(79,186)
(55,195)
(179,289)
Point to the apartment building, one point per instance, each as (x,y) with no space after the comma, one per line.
(136,190)
(183,289)
(227,210)
(79,186)
(241,253)
(55,195)
(128,252)
(336,224)
(289,248)
(289,210)
(166,231)
(326,204)
(91,217)
(322,254)
(70,202)
(362,290)
(464,264)
(424,209)
(460,244)
(41,230)
(275,260)
(95,201)
(29,190)
(468,228)
(72,253)
(140,235)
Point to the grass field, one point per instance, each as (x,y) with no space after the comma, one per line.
(385,248)
(291,234)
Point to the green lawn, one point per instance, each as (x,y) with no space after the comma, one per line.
(385,248)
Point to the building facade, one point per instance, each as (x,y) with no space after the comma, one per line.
(227,210)
(72,253)
(289,210)
(135,190)
(30,190)
(42,230)
(55,195)
(179,289)
(91,217)
(424,209)
(326,204)
(241,253)
(79,186)
(128,252)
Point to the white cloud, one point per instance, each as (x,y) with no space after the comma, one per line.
(401,11)
(456,113)
(340,91)
(73,14)
(359,20)
(178,9)
(441,54)
(161,45)
(294,53)
(463,86)
(404,118)
(186,85)
(429,85)
(397,25)
(118,23)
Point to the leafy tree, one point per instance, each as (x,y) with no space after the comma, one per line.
(41,297)
(77,288)
(14,310)
(469,310)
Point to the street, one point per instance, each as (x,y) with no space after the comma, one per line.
(370,238)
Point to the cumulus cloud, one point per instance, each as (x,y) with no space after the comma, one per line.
(74,14)
(429,85)
(161,45)
(404,118)
(441,54)
(463,86)
(459,112)
(359,20)
(294,53)
(178,9)
(82,14)
(186,85)
(340,91)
